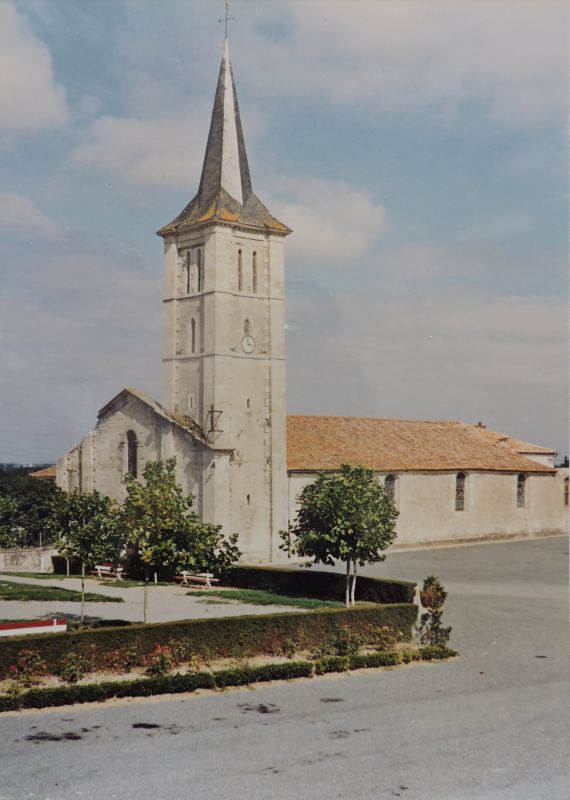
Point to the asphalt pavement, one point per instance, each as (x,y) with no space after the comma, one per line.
(493,724)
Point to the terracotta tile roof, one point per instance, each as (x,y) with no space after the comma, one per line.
(43,474)
(397,445)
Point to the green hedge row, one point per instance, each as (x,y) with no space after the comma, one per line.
(209,639)
(145,687)
(240,676)
(314,583)
(381,659)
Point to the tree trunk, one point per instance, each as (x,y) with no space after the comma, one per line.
(145,596)
(353,587)
(82,593)
(155,577)
(347,593)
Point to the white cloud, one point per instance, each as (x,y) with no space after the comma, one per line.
(151,152)
(83,324)
(30,98)
(332,222)
(397,348)
(510,56)
(17,211)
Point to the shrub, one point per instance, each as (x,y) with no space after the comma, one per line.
(73,667)
(430,630)
(317,583)
(28,668)
(160,660)
(347,642)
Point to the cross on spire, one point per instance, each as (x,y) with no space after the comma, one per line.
(226,18)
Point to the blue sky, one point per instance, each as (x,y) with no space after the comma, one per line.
(417,149)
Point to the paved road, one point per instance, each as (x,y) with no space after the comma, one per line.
(491,725)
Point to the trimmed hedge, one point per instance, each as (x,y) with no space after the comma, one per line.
(314,583)
(240,676)
(224,637)
(381,659)
(146,687)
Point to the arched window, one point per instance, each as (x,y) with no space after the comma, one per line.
(520,491)
(200,273)
(565,492)
(390,485)
(254,273)
(132,446)
(246,327)
(460,491)
(187,272)
(240,272)
(193,335)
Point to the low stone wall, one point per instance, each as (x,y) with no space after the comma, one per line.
(29,559)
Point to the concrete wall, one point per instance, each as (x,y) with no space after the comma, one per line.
(30,559)
(426,502)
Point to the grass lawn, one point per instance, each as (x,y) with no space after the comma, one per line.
(26,591)
(260,597)
(50,576)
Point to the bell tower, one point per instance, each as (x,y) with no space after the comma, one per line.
(223,359)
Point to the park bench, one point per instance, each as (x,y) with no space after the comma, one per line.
(205,579)
(103,571)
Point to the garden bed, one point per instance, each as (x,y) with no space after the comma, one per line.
(97,688)
(209,639)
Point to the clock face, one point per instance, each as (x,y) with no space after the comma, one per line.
(248,344)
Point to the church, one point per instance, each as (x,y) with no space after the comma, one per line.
(222,411)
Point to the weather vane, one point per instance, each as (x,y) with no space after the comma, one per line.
(226,18)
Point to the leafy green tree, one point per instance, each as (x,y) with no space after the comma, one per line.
(25,505)
(85,527)
(347,517)
(166,532)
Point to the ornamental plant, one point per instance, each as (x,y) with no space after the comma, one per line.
(29,667)
(160,660)
(430,630)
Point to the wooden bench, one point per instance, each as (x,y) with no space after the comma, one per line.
(205,579)
(103,571)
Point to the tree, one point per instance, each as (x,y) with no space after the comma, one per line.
(347,517)
(29,503)
(160,523)
(85,527)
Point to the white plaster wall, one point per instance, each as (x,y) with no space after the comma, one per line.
(426,503)
(248,389)
(104,453)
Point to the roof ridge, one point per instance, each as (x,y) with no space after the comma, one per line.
(381,419)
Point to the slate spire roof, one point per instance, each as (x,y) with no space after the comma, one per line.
(225,192)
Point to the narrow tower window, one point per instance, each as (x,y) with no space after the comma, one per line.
(240,271)
(199,263)
(246,327)
(254,273)
(390,485)
(193,335)
(565,492)
(132,446)
(187,272)
(460,491)
(521,491)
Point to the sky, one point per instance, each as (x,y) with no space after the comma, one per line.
(417,149)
